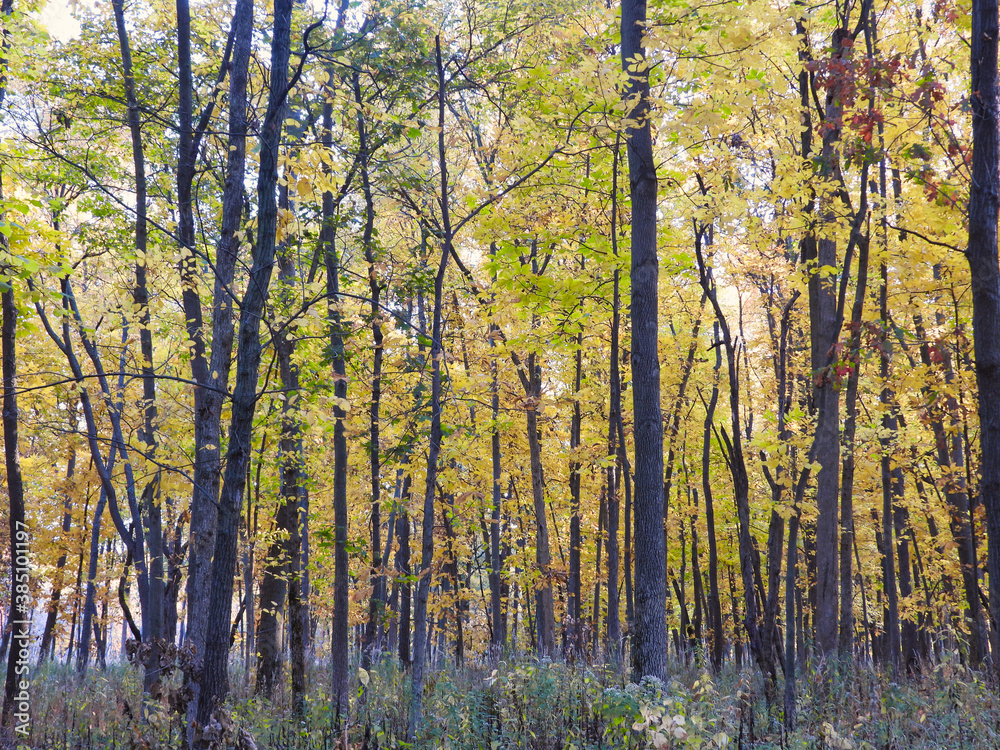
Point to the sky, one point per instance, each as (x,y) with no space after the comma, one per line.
(58,20)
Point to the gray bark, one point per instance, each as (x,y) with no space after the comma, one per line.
(215,672)
(649,642)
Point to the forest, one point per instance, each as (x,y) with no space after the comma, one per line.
(494,374)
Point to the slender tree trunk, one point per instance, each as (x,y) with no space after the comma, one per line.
(846,638)
(19,612)
(714,600)
(376,603)
(616,449)
(421,636)
(498,636)
(602,515)
(209,395)
(47,644)
(402,568)
(892,482)
(573,587)
(544,604)
(649,642)
(150,508)
(215,673)
(790,590)
(341,581)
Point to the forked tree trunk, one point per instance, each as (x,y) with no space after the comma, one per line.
(209,400)
(215,672)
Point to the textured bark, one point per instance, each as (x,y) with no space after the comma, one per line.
(759,634)
(293,477)
(209,393)
(649,644)
(714,600)
(498,634)
(615,470)
(341,574)
(846,637)
(273,585)
(573,590)
(215,672)
(402,567)
(984,200)
(826,397)
(544,604)
(280,580)
(47,644)
(19,620)
(373,630)
(149,512)
(421,638)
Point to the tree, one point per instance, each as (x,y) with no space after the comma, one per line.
(984,203)
(215,671)
(649,643)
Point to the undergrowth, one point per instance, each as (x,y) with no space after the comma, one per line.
(526,703)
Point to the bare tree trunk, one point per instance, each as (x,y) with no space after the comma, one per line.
(498,640)
(544,604)
(149,511)
(573,587)
(984,200)
(341,582)
(376,604)
(215,673)
(405,594)
(209,393)
(892,483)
(421,636)
(649,642)
(48,640)
(714,600)
(18,614)
(759,633)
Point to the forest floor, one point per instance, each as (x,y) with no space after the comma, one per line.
(529,704)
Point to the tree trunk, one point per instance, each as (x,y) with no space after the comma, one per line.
(47,645)
(544,604)
(846,637)
(341,576)
(573,587)
(984,200)
(376,604)
(714,600)
(421,636)
(498,634)
(152,613)
(649,642)
(15,711)
(215,673)
(759,633)
(209,394)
